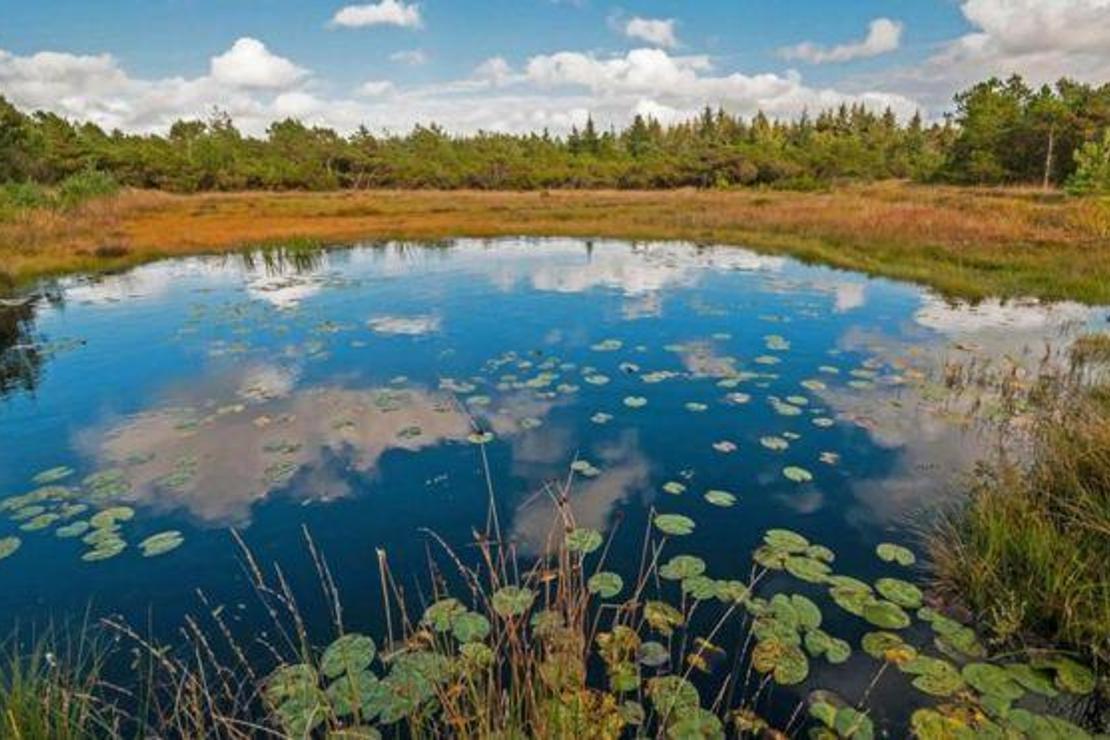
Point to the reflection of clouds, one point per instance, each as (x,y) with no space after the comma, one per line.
(625,471)
(701,360)
(240,453)
(850,296)
(282,291)
(964,318)
(409,326)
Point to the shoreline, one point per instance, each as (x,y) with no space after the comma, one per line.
(969,243)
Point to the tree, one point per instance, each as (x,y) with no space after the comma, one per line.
(1092,168)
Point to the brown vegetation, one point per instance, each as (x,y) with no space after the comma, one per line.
(964,242)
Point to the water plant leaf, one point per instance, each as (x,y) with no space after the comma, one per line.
(635,402)
(349,654)
(662,617)
(796,474)
(695,724)
(933,676)
(820,552)
(111,516)
(776,444)
(674,524)
(674,488)
(806,569)
(440,615)
(672,694)
(701,588)
(512,601)
(808,614)
(605,584)
(1071,676)
(889,552)
(723,499)
(8,546)
(632,712)
(902,593)
(681,567)
(584,540)
(886,615)
(52,475)
(992,680)
(349,692)
(161,543)
(105,549)
(817,642)
(73,529)
(786,663)
(732,592)
(785,540)
(624,677)
(725,447)
(1032,679)
(480,438)
(653,654)
(469,627)
(851,598)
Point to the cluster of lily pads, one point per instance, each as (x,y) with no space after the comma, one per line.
(85,511)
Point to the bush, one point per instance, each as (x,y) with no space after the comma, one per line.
(20,196)
(1092,168)
(86,185)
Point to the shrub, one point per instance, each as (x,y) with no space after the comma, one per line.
(21,196)
(85,185)
(1092,168)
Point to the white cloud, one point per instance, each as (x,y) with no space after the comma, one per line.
(248,63)
(411,57)
(384,13)
(652,30)
(883,36)
(495,70)
(375,88)
(1042,40)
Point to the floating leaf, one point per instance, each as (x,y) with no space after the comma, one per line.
(681,567)
(161,543)
(469,627)
(892,553)
(52,475)
(605,584)
(584,540)
(662,617)
(852,599)
(820,552)
(720,498)
(1032,679)
(105,549)
(110,517)
(440,615)
(672,694)
(695,724)
(796,474)
(696,408)
(8,546)
(480,438)
(1072,677)
(809,616)
(901,592)
(807,569)
(674,524)
(785,540)
(601,418)
(701,588)
(348,655)
(777,444)
(512,601)
(674,488)
(725,447)
(993,680)
(786,663)
(933,676)
(886,615)
(73,529)
(635,402)
(652,654)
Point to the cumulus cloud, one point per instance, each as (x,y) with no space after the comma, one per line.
(248,63)
(658,32)
(411,57)
(1041,40)
(374,88)
(883,36)
(384,13)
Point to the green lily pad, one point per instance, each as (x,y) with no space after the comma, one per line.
(1072,677)
(820,552)
(891,553)
(886,615)
(512,601)
(42,521)
(653,654)
(852,599)
(786,663)
(796,474)
(785,540)
(584,540)
(480,438)
(52,475)
(349,654)
(674,488)
(777,444)
(605,584)
(992,680)
(674,524)
(901,592)
(1033,680)
(635,402)
(723,499)
(695,724)
(807,569)
(701,588)
(104,550)
(933,676)
(672,694)
(73,529)
(111,516)
(161,543)
(809,615)
(8,546)
(662,617)
(681,567)
(348,693)
(440,615)
(469,627)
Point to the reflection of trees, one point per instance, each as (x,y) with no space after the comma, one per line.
(21,352)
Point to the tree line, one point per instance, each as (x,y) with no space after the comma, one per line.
(1001,132)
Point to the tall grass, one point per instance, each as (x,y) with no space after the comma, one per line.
(1028,551)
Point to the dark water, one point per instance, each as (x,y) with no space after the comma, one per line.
(335,393)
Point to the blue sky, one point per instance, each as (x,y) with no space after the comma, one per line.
(520,64)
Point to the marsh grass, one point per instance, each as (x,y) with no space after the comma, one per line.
(1028,550)
(52,689)
(965,242)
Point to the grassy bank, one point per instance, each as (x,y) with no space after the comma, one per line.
(1027,551)
(964,242)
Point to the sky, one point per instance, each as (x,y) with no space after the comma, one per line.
(525,65)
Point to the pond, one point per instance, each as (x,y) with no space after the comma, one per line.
(350,394)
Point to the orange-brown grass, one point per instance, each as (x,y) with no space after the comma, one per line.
(965,242)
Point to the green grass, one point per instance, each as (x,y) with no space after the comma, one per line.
(1029,549)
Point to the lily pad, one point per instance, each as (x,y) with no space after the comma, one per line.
(583,540)
(796,474)
(161,543)
(605,584)
(807,569)
(992,680)
(723,499)
(349,654)
(892,553)
(662,617)
(440,615)
(635,402)
(652,654)
(470,627)
(786,540)
(73,529)
(674,488)
(111,516)
(480,438)
(8,546)
(886,615)
(786,663)
(512,601)
(777,444)
(52,475)
(681,567)
(674,524)
(900,592)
